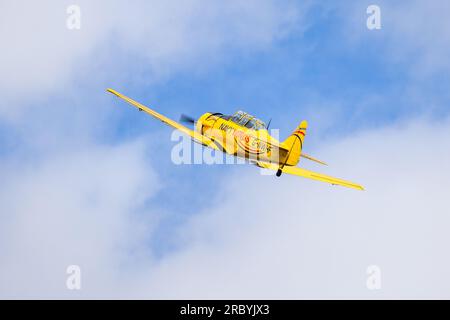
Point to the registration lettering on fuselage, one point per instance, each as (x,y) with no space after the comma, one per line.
(247,142)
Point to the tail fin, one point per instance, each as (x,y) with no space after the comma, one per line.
(294,144)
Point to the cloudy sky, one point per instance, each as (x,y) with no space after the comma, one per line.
(88,181)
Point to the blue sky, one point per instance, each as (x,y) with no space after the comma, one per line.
(282,61)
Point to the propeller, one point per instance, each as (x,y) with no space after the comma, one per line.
(187,119)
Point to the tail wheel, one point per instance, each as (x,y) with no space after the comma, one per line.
(279,172)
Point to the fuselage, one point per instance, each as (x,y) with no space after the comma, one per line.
(248,140)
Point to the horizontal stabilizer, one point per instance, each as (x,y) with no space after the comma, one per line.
(303,155)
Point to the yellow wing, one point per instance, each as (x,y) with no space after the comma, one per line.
(311,175)
(193,134)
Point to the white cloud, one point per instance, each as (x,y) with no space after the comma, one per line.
(79,207)
(43,56)
(265,237)
(293,238)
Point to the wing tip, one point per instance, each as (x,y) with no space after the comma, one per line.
(348,185)
(112,91)
(358,187)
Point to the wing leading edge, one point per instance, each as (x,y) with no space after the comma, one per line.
(311,175)
(193,134)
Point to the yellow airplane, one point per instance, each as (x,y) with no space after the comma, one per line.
(245,136)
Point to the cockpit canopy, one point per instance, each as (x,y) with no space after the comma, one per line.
(244,119)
